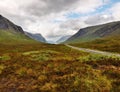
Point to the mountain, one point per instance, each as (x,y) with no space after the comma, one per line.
(37,37)
(5,24)
(62,39)
(11,33)
(95,32)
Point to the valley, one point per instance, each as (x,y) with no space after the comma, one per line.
(29,64)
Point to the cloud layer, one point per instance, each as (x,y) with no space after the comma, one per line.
(55,18)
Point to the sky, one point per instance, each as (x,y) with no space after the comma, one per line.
(56,18)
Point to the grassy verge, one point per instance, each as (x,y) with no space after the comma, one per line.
(111,44)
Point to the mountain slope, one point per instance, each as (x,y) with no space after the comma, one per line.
(37,37)
(62,39)
(11,33)
(95,32)
(5,24)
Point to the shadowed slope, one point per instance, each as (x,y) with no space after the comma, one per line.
(95,32)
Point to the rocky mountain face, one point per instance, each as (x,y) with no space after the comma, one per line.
(5,24)
(37,37)
(62,39)
(95,32)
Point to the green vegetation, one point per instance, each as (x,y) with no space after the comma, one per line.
(111,44)
(96,57)
(50,68)
(10,37)
(5,57)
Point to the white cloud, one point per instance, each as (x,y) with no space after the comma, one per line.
(86,6)
(98,19)
(115,11)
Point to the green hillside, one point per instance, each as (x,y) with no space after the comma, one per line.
(9,37)
(95,32)
(11,33)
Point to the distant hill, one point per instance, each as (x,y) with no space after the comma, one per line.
(95,32)
(12,33)
(37,37)
(62,39)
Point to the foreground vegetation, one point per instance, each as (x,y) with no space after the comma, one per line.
(56,68)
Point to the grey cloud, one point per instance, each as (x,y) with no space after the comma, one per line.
(50,6)
(98,19)
(74,24)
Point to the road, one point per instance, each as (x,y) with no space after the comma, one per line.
(93,51)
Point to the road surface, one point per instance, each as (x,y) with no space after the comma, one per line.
(93,51)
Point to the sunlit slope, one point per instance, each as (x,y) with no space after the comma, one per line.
(8,36)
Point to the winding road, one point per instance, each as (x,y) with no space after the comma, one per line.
(93,51)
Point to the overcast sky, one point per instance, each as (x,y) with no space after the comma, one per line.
(56,18)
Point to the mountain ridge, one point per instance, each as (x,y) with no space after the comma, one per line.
(95,32)
(6,24)
(63,38)
(11,33)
